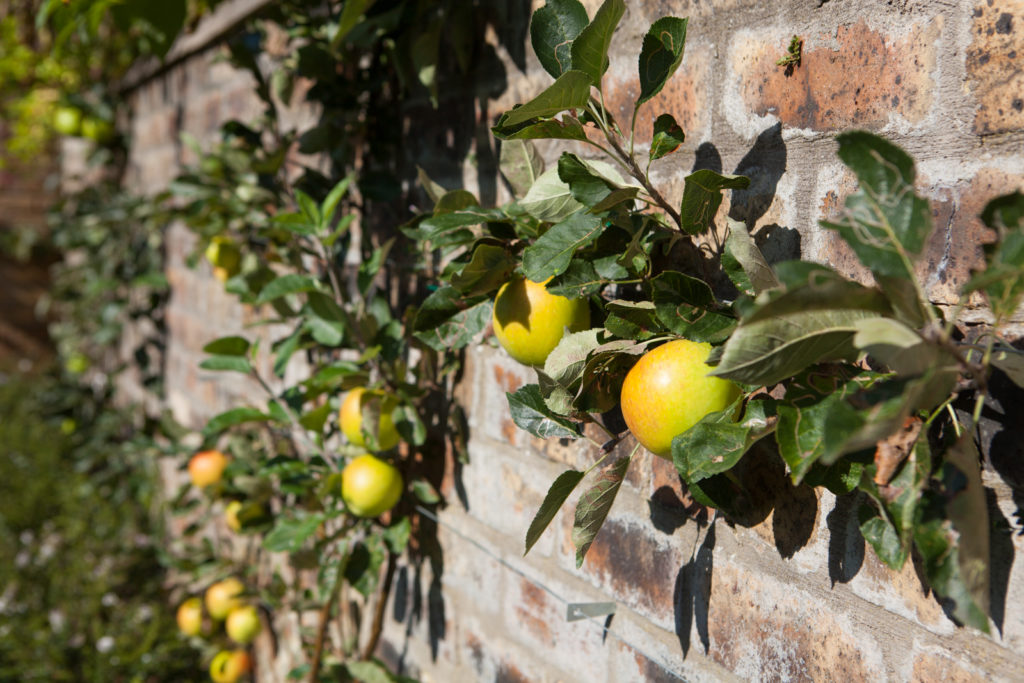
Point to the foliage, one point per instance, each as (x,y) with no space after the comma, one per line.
(861,378)
(83,584)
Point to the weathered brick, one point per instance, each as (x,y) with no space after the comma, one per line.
(994,66)
(857,77)
(944,666)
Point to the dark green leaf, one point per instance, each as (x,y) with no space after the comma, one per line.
(230,418)
(683,303)
(364,565)
(702,195)
(564,365)
(566,128)
(885,222)
(716,443)
(578,281)
(668,135)
(230,363)
(660,56)
(488,269)
(228,346)
(593,507)
(446,320)
(530,413)
(551,254)
(570,91)
(397,535)
(455,200)
(586,186)
(552,30)
(744,263)
(287,284)
(426,493)
(632,320)
(351,14)
(879,532)
(556,496)
(314,420)
(330,204)
(590,48)
(899,347)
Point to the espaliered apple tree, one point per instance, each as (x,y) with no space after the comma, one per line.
(852,387)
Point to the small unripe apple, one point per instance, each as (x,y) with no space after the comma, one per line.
(370,487)
(231,515)
(529,321)
(669,390)
(222,597)
(67,120)
(206,468)
(225,257)
(242,625)
(99,130)
(351,418)
(228,666)
(190,617)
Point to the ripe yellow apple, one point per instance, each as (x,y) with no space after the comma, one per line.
(231,515)
(228,666)
(190,617)
(206,467)
(370,487)
(225,257)
(242,625)
(668,391)
(222,597)
(351,418)
(529,321)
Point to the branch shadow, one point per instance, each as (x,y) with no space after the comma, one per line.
(692,594)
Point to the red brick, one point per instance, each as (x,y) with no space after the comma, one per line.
(943,667)
(994,69)
(862,80)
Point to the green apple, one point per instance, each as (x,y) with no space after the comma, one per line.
(351,418)
(370,487)
(529,321)
(67,120)
(228,666)
(242,625)
(225,257)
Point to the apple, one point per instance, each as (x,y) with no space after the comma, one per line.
(67,120)
(669,390)
(223,254)
(206,468)
(351,418)
(242,625)
(98,130)
(229,666)
(529,321)
(190,617)
(231,515)
(370,487)
(222,597)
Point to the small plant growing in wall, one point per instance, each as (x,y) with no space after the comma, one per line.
(705,347)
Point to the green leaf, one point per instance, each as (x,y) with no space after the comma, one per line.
(556,496)
(230,418)
(409,425)
(228,346)
(549,199)
(632,320)
(590,48)
(570,91)
(446,320)
(290,533)
(521,164)
(364,564)
(683,303)
(879,532)
(660,56)
(308,207)
(552,252)
(885,222)
(1011,362)
(702,195)
(552,30)
(1003,278)
(433,190)
(287,284)
(744,263)
(668,135)
(593,507)
(565,363)
(578,281)
(314,420)
(587,187)
(453,229)
(295,223)
(397,535)
(351,13)
(716,443)
(899,347)
(330,203)
(530,413)
(229,363)
(422,489)
(488,269)
(566,128)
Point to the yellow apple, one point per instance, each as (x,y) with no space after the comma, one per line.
(351,418)
(529,321)
(228,666)
(225,257)
(242,625)
(190,617)
(231,515)
(206,468)
(669,390)
(370,487)
(222,597)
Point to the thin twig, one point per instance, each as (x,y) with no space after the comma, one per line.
(378,614)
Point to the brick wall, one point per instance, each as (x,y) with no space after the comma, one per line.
(795,594)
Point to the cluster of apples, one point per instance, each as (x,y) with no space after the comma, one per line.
(241,621)
(664,394)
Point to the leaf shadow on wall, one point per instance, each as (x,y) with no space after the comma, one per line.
(692,595)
